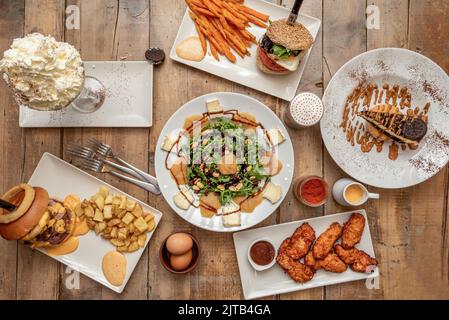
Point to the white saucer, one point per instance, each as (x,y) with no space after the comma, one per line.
(129,99)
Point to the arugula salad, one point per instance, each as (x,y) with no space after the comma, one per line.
(226,161)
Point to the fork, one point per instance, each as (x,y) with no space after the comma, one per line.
(106,151)
(99,167)
(88,153)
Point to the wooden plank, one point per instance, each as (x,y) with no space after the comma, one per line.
(344,36)
(112,30)
(163,29)
(45,17)
(216,276)
(132,39)
(424,237)
(11,136)
(400,213)
(307,143)
(219,277)
(393,32)
(275,105)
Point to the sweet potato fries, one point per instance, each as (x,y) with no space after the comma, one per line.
(223,24)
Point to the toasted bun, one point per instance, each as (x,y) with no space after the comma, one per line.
(21,227)
(292,37)
(265,69)
(38,228)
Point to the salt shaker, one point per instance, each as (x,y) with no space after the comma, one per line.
(305,110)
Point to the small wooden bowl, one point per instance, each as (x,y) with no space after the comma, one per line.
(164,255)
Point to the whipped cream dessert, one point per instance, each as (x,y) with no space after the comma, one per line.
(43,74)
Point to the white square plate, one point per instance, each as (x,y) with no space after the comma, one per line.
(60,179)
(245,71)
(128,103)
(274,280)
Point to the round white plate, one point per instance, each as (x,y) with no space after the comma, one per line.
(426,81)
(241,103)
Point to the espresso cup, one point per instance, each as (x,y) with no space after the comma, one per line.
(350,193)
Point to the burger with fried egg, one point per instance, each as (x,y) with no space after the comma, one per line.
(282,47)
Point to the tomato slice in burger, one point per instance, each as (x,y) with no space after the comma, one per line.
(268,62)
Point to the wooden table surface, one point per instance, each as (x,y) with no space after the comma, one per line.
(409,226)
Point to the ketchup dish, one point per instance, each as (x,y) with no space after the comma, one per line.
(262,254)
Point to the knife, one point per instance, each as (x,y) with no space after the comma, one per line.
(294,12)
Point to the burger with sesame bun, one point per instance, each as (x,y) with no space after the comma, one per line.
(37,219)
(283,46)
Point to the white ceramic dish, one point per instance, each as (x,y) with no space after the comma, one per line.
(259,267)
(245,71)
(393,66)
(241,103)
(129,99)
(273,281)
(60,179)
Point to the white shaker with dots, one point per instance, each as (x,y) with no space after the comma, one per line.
(305,110)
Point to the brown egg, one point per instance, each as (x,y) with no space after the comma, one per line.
(179,243)
(182,261)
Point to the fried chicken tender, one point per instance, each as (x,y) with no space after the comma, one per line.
(300,272)
(352,231)
(310,261)
(359,260)
(282,258)
(331,263)
(326,241)
(296,270)
(300,241)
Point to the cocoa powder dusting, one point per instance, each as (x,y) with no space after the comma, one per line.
(432,91)
(437,141)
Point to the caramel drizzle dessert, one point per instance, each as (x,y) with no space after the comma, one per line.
(392,118)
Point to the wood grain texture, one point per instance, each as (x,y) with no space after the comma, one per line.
(307,143)
(409,226)
(170,92)
(113,30)
(425,210)
(217,275)
(344,37)
(393,32)
(12,19)
(45,17)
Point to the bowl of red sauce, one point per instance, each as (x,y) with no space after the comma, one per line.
(262,254)
(312,191)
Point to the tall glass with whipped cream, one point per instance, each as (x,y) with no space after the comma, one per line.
(48,75)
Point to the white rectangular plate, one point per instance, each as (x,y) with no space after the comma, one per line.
(60,179)
(245,71)
(274,280)
(128,103)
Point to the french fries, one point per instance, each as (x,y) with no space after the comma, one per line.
(223,24)
(202,37)
(118,219)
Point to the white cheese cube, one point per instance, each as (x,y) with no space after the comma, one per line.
(168,143)
(214,107)
(272,192)
(276,136)
(232,220)
(183,199)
